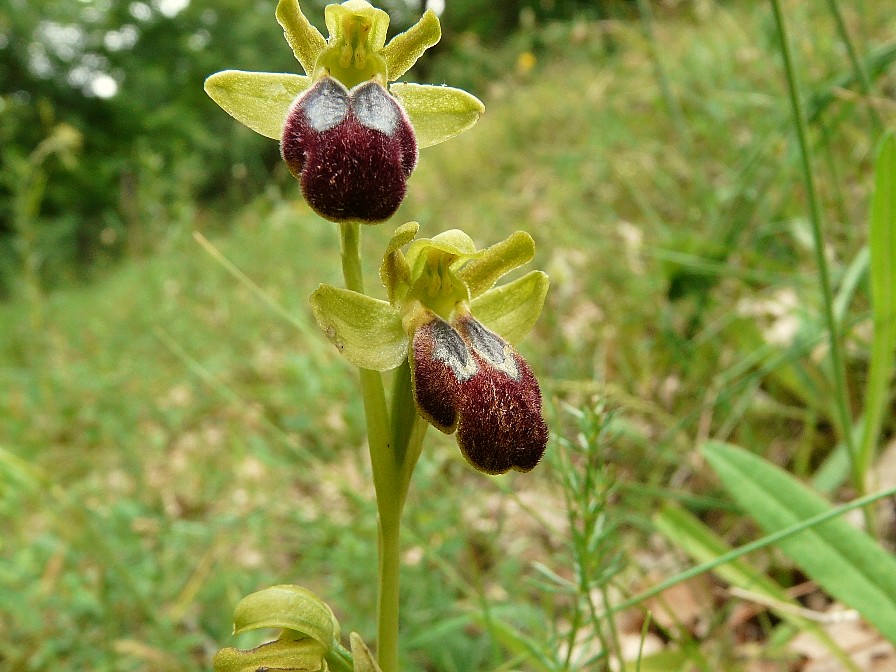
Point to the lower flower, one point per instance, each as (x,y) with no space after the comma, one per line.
(447,318)
(469,379)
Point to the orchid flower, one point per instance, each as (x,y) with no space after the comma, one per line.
(347,130)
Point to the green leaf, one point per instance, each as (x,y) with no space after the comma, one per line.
(302,655)
(437,113)
(512,309)
(368,332)
(260,100)
(290,608)
(882,264)
(305,40)
(482,272)
(404,49)
(846,562)
(686,532)
(364,660)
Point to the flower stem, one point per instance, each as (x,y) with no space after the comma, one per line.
(386,478)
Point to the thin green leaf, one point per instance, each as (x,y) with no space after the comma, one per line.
(694,538)
(405,48)
(843,560)
(437,113)
(363,659)
(882,247)
(305,40)
(260,100)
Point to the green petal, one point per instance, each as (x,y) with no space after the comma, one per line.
(305,40)
(453,242)
(334,15)
(367,331)
(260,100)
(512,309)
(303,655)
(482,272)
(437,113)
(290,608)
(395,270)
(404,49)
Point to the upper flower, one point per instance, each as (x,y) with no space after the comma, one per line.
(446,317)
(349,136)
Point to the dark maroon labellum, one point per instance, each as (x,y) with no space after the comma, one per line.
(468,378)
(352,151)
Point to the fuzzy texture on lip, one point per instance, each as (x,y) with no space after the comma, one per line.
(467,378)
(352,151)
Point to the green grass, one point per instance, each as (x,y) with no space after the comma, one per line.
(169,443)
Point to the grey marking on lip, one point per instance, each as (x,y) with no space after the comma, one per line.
(452,351)
(491,347)
(326,105)
(375,108)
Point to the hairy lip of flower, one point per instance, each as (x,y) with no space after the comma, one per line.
(352,151)
(467,378)
(356,53)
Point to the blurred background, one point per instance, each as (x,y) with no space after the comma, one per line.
(174,433)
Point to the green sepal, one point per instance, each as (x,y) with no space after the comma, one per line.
(363,659)
(404,49)
(482,272)
(301,655)
(395,272)
(366,331)
(437,113)
(290,608)
(305,40)
(259,100)
(512,309)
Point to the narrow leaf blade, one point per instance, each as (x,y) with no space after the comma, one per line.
(846,562)
(686,532)
(882,266)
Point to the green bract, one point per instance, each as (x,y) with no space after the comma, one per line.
(437,274)
(309,632)
(354,53)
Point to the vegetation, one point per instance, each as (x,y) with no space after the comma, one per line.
(654,158)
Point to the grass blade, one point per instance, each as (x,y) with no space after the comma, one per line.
(882,246)
(702,544)
(846,562)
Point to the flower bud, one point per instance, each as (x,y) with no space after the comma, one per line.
(351,150)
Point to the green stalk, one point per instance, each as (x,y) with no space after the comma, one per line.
(386,477)
(676,115)
(833,329)
(408,428)
(858,68)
